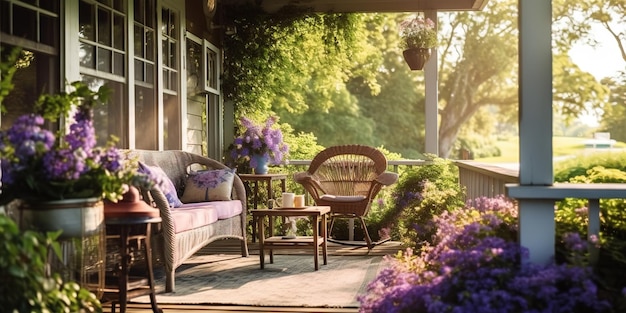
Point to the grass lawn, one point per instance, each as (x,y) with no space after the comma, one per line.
(561,146)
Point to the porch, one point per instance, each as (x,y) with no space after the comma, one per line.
(232,247)
(478,179)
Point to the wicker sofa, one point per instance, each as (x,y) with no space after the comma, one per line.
(174,244)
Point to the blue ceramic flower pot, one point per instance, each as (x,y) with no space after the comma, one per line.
(260,163)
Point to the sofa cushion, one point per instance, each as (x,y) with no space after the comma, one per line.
(163,182)
(209,185)
(225,209)
(190,217)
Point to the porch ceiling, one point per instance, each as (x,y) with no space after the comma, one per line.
(370,6)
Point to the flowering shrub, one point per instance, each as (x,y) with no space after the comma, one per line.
(39,166)
(418,33)
(258,139)
(421,193)
(473,265)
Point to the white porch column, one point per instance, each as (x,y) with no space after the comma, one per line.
(536,216)
(431,93)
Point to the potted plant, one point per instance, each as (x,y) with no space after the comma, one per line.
(39,166)
(258,146)
(418,37)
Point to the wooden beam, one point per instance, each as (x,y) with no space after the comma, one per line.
(368,6)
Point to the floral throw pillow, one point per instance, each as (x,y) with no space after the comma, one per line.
(209,185)
(163,182)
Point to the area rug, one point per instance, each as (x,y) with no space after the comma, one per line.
(290,281)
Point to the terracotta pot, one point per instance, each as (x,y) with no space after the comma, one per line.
(416,57)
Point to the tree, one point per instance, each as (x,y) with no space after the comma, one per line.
(479,58)
(615,111)
(575,20)
(479,68)
(342,77)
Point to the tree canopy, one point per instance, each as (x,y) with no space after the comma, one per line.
(342,76)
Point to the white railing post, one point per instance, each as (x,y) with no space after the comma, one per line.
(593,229)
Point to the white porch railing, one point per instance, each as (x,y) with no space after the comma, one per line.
(537,226)
(484,180)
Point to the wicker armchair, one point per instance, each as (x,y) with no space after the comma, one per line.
(347,178)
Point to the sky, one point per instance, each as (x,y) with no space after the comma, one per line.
(601,61)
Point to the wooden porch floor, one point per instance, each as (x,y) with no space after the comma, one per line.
(232,247)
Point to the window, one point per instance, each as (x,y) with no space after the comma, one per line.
(102,36)
(34,26)
(131,46)
(146,106)
(215,114)
(102,58)
(138,58)
(170,41)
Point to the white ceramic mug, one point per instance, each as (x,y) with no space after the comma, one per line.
(287,200)
(284,201)
(298,201)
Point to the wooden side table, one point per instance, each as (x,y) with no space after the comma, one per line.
(278,242)
(128,228)
(268,180)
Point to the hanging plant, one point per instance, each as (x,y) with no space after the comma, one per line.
(418,37)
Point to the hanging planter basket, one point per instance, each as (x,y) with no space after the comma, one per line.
(416,57)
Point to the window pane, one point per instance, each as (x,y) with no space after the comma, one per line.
(104,27)
(173,55)
(109,118)
(149,73)
(173,27)
(48,30)
(166,79)
(139,41)
(118,64)
(171,123)
(194,67)
(86,21)
(119,35)
(119,5)
(145,119)
(4,17)
(211,69)
(139,71)
(50,5)
(24,23)
(140,11)
(149,45)
(104,60)
(174,81)
(40,75)
(166,53)
(87,55)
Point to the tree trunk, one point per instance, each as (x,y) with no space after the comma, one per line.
(459,110)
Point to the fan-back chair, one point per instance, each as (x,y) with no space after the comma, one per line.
(347,178)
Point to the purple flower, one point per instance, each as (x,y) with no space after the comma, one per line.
(473,264)
(263,139)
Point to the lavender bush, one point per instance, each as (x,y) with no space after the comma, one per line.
(473,265)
